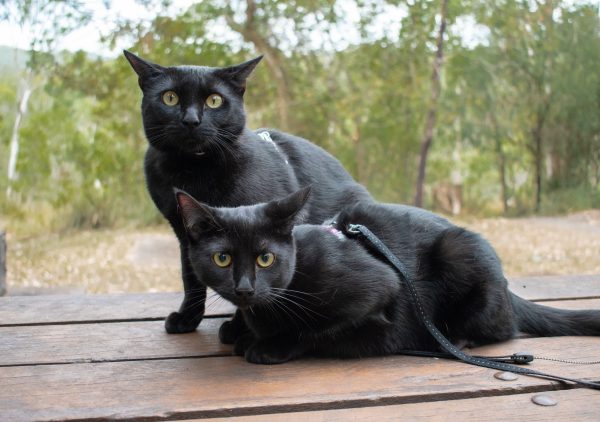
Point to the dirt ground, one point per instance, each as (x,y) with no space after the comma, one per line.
(148,260)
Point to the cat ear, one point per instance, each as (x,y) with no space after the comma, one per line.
(143,68)
(287,212)
(238,74)
(197,217)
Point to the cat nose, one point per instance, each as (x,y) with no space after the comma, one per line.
(191,119)
(244,288)
(244,292)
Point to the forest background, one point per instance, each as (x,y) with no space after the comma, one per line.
(498,102)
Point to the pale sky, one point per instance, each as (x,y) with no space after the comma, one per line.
(88,37)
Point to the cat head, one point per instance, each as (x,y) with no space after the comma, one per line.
(194,110)
(245,253)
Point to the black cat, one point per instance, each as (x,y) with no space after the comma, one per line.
(316,290)
(198,141)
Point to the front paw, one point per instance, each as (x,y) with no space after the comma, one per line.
(228,333)
(267,354)
(178,323)
(242,344)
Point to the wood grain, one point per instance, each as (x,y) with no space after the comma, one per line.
(101,342)
(579,304)
(228,386)
(581,405)
(115,341)
(60,309)
(559,287)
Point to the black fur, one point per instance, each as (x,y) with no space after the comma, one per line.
(212,155)
(332,295)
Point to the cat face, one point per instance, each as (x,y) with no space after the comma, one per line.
(246,253)
(193,110)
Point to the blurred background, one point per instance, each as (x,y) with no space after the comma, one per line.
(485,111)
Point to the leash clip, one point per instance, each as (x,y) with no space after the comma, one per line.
(522,358)
(353,229)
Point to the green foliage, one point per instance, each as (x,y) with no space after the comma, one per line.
(363,99)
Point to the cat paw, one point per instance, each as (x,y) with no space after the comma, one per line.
(177,323)
(242,344)
(228,333)
(264,355)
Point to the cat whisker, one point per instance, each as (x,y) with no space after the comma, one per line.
(297,292)
(300,306)
(276,301)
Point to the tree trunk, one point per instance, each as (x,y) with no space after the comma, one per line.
(2,263)
(359,152)
(537,156)
(15,140)
(502,174)
(433,104)
(272,57)
(501,163)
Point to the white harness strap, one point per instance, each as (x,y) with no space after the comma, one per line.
(266,136)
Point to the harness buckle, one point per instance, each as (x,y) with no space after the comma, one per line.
(353,229)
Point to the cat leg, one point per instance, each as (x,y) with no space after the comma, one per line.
(230,331)
(273,350)
(242,343)
(191,310)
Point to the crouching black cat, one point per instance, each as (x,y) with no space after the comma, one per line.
(198,141)
(311,289)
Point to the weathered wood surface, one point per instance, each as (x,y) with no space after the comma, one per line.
(108,357)
(102,342)
(514,408)
(57,309)
(156,306)
(223,386)
(106,341)
(557,287)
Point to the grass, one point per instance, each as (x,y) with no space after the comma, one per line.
(137,260)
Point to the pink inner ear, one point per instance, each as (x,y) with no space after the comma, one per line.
(186,204)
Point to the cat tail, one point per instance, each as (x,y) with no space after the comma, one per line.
(545,321)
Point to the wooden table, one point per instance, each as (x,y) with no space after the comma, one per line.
(108,357)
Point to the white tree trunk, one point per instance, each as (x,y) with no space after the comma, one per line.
(14,140)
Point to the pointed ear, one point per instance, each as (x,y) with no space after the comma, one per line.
(143,68)
(238,74)
(197,218)
(287,212)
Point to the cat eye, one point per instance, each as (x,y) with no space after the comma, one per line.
(265,260)
(170,98)
(222,259)
(214,101)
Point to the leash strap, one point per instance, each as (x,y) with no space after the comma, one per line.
(498,363)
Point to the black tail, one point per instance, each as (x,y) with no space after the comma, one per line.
(545,321)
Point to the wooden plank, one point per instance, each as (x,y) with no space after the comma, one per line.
(108,341)
(578,304)
(59,309)
(228,386)
(102,342)
(579,405)
(559,287)
(156,306)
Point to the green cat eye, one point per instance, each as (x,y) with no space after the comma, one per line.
(214,101)
(170,98)
(265,260)
(222,259)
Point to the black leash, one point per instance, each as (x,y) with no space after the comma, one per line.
(499,363)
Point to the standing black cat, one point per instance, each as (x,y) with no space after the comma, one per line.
(313,289)
(198,141)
